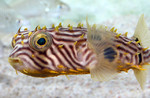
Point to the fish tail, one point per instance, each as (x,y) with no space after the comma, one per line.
(141,75)
(142,33)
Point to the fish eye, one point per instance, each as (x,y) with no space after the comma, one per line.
(40,41)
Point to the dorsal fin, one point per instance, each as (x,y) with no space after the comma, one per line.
(142,32)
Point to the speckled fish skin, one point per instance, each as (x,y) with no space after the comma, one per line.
(71,50)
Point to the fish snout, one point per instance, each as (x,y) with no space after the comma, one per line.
(15,61)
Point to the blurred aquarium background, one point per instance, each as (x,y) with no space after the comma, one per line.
(123,14)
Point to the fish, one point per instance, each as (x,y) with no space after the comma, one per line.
(97,50)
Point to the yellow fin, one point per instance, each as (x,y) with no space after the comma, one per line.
(141,75)
(101,42)
(103,71)
(99,36)
(142,32)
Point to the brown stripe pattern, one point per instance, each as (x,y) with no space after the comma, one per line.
(73,57)
(69,52)
(128,50)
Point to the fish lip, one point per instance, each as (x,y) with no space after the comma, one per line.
(15,61)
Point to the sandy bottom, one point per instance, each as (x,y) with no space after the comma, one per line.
(81,86)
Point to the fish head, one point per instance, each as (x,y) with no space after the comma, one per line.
(49,51)
(29,51)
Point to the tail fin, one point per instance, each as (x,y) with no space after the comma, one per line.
(141,75)
(142,32)
(100,40)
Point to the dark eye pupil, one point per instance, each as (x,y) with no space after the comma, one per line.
(41,41)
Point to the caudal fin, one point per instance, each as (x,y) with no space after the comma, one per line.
(141,75)
(142,32)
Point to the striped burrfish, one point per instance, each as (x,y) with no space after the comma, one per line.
(96,50)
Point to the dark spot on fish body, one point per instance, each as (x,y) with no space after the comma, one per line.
(140,58)
(110,53)
(136,39)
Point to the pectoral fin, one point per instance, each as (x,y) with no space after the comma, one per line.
(101,42)
(103,72)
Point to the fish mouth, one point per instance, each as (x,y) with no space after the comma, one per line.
(15,61)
